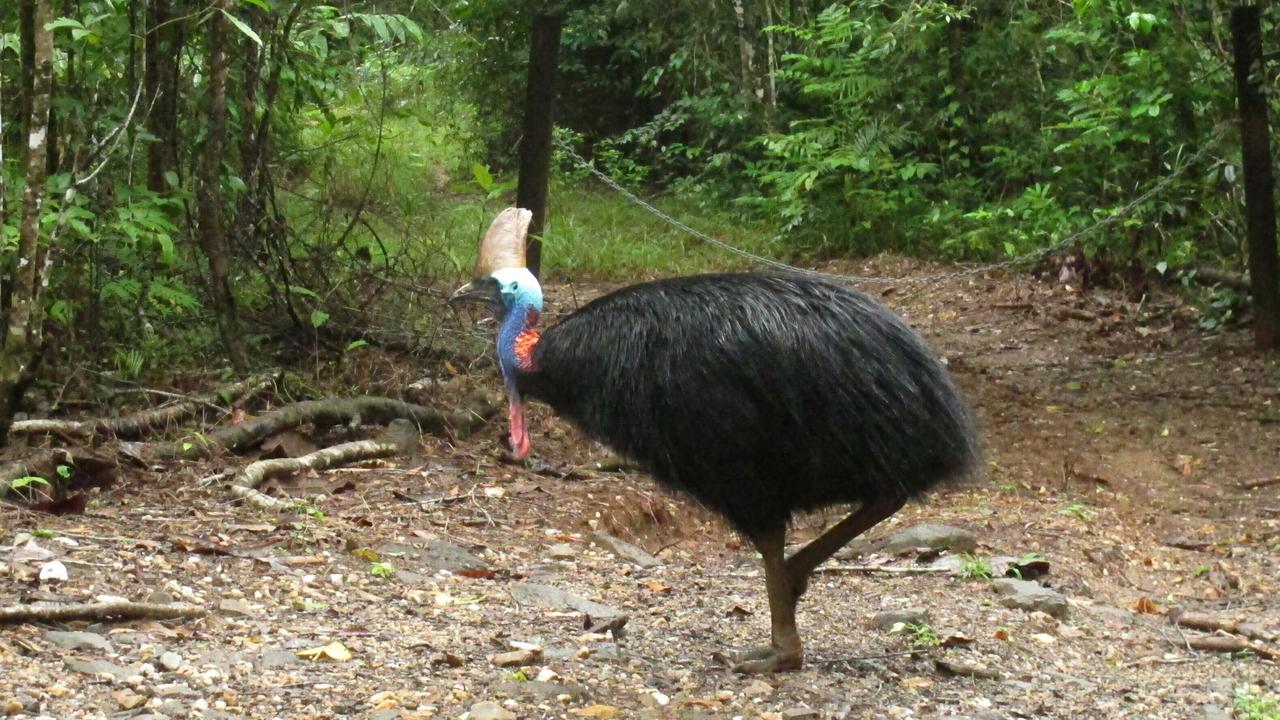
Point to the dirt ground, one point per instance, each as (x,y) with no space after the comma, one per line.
(1120,439)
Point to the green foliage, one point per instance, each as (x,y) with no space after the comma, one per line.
(1252,703)
(922,635)
(1077,510)
(968,130)
(381,569)
(973,567)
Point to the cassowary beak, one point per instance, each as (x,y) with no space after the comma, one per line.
(476,291)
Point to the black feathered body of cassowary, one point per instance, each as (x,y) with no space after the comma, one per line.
(759,394)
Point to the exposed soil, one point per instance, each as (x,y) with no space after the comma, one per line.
(1119,440)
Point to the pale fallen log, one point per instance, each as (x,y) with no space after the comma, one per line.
(400,438)
(100,610)
(145,421)
(327,413)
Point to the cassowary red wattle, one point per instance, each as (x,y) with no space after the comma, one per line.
(759,394)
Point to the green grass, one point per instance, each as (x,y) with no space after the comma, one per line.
(426,211)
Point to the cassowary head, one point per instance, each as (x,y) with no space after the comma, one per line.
(502,280)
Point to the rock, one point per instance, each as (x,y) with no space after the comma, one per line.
(175,690)
(855,549)
(77,639)
(10,706)
(537,690)
(625,550)
(99,668)
(170,661)
(758,688)
(953,564)
(551,598)
(1213,712)
(516,658)
(273,657)
(800,713)
(160,597)
(488,710)
(932,536)
(907,616)
(231,606)
(562,551)
(1030,596)
(1024,568)
(653,698)
(128,699)
(436,555)
(961,668)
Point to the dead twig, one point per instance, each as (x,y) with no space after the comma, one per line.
(102,610)
(1260,483)
(842,569)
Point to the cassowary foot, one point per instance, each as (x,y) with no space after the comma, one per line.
(760,660)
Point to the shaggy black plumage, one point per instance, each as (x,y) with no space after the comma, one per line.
(758,394)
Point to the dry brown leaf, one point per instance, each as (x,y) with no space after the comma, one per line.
(334,651)
(1146,606)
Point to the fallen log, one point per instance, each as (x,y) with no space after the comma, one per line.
(400,438)
(327,413)
(1230,644)
(1212,623)
(58,467)
(100,610)
(1213,276)
(143,422)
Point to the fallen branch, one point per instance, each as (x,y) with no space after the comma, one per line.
(1260,483)
(116,609)
(1213,276)
(1229,644)
(1210,623)
(340,411)
(400,437)
(146,421)
(841,569)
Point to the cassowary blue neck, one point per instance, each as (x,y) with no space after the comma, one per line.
(516,338)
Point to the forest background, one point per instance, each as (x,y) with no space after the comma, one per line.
(254,183)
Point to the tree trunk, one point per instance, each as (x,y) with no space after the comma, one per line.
(26,281)
(160,58)
(1259,182)
(751,86)
(535,146)
(209,201)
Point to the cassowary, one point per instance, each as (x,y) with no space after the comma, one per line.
(759,394)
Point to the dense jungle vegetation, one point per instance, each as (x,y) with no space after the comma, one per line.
(249,180)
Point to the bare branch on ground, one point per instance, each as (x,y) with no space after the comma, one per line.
(399,438)
(115,609)
(340,411)
(146,421)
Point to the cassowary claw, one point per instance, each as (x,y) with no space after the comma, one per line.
(760,660)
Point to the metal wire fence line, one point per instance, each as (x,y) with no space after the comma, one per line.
(1031,256)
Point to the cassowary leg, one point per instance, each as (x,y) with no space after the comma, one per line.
(785,651)
(802,564)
